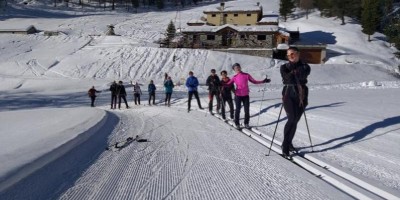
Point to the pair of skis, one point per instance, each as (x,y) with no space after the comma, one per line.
(122,144)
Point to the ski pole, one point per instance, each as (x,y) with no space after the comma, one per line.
(262,99)
(276,126)
(308,130)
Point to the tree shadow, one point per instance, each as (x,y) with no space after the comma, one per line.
(267,108)
(315,37)
(20,101)
(332,105)
(359,135)
(62,173)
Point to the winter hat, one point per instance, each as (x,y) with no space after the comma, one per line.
(236,65)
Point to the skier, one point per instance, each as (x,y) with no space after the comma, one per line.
(113,89)
(169,85)
(152,92)
(121,92)
(294,95)
(241,80)
(213,84)
(226,94)
(191,84)
(136,93)
(165,77)
(92,94)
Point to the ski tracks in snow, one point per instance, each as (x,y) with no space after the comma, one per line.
(188,158)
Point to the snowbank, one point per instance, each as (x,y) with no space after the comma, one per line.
(31,139)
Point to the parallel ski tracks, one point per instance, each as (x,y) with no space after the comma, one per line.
(334,176)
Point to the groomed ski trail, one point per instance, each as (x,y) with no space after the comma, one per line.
(190,157)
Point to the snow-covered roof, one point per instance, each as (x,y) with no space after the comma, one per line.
(213,29)
(282,46)
(235,6)
(269,19)
(17,28)
(195,21)
(283,32)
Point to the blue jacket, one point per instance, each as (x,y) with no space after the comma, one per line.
(152,88)
(192,83)
(169,85)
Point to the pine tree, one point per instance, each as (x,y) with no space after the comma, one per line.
(323,6)
(135,4)
(342,8)
(387,7)
(286,8)
(306,5)
(370,17)
(392,32)
(160,4)
(171,30)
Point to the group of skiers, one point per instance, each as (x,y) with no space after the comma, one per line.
(294,94)
(222,90)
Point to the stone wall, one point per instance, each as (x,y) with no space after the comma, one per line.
(249,41)
(267,53)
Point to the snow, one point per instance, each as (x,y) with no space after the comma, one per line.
(52,142)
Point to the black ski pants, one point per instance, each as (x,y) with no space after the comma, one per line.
(152,96)
(168,98)
(211,95)
(196,95)
(137,98)
(113,101)
(246,104)
(119,101)
(92,99)
(224,101)
(293,112)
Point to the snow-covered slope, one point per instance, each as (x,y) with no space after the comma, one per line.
(352,113)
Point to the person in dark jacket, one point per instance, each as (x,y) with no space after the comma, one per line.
(213,84)
(152,92)
(192,83)
(294,95)
(169,86)
(121,92)
(113,89)
(226,95)
(92,94)
(136,93)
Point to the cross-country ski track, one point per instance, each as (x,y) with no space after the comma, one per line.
(206,160)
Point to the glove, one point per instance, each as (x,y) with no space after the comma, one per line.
(267,80)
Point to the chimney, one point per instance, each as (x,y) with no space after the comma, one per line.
(222,6)
(258,3)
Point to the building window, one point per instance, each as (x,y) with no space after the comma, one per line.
(248,14)
(248,24)
(261,37)
(283,40)
(235,15)
(242,36)
(210,37)
(213,15)
(225,15)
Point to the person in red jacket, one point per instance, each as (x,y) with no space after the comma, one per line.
(242,91)
(92,94)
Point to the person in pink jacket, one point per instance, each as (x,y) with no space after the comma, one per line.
(242,91)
